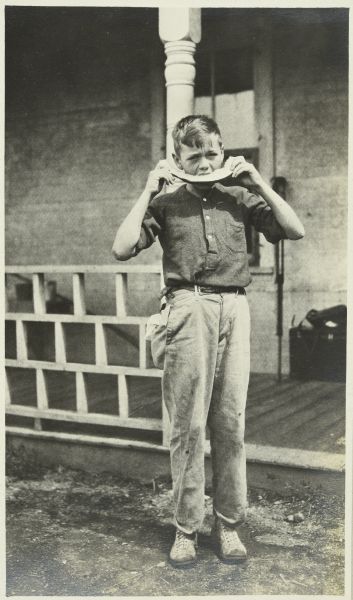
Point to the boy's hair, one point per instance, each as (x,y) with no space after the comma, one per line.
(192,130)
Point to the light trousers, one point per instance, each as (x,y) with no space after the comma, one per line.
(205,381)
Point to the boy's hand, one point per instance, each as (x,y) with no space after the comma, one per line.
(245,172)
(155,177)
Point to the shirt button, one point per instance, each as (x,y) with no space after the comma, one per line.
(209,237)
(208,217)
(204,199)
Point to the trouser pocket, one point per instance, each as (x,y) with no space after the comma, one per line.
(157,334)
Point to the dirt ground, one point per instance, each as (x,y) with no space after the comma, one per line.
(73,533)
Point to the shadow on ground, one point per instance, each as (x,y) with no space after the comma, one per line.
(73,533)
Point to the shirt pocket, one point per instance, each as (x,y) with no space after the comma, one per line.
(233,237)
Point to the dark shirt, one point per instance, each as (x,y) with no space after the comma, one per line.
(203,239)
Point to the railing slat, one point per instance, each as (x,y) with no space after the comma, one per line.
(21,340)
(165,425)
(66,318)
(113,268)
(60,343)
(81,394)
(121,294)
(123,396)
(38,293)
(7,390)
(94,418)
(161,279)
(6,293)
(42,393)
(78,285)
(83,368)
(100,345)
(142,346)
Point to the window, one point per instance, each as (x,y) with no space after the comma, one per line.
(224,89)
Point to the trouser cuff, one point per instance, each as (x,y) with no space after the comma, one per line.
(231,522)
(186,530)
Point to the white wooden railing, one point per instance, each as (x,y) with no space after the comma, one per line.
(101,365)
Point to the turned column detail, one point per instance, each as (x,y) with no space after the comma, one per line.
(180,30)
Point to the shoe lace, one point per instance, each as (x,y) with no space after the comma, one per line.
(228,533)
(181,539)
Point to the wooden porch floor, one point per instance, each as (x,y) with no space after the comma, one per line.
(308,415)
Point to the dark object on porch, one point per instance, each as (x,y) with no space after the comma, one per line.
(317,346)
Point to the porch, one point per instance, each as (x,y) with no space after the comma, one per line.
(89,379)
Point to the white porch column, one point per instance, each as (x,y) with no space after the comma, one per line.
(180,31)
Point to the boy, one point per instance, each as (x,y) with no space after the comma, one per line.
(201,228)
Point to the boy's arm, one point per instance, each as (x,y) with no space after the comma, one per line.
(249,177)
(128,233)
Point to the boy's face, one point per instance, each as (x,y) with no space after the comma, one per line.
(201,161)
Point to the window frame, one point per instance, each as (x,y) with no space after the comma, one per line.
(251,154)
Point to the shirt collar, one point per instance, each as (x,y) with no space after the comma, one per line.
(206,194)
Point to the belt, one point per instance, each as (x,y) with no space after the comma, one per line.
(209,289)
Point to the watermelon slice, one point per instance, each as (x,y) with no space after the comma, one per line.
(217,175)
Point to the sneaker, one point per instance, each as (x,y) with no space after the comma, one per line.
(183,552)
(230,548)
